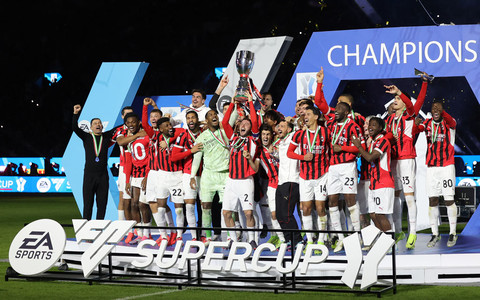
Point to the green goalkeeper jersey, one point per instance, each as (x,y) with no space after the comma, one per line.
(215,151)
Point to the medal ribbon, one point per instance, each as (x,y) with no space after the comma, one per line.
(396,123)
(221,142)
(435,131)
(278,140)
(96,147)
(336,135)
(194,138)
(167,141)
(187,107)
(239,142)
(311,145)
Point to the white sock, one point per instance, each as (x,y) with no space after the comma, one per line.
(390,220)
(397,214)
(121,215)
(256,234)
(322,225)
(223,224)
(251,234)
(433,213)
(277,227)
(412,213)
(452,218)
(355,216)
(169,220)
(191,220)
(308,225)
(233,235)
(180,220)
(162,221)
(335,217)
(156,217)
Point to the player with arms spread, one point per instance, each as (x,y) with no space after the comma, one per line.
(440,133)
(401,125)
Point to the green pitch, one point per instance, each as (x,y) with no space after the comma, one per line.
(15,211)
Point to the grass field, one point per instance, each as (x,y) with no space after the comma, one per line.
(15,211)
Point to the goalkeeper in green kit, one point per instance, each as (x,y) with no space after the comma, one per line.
(215,156)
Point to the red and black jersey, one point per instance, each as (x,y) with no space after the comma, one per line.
(153,146)
(140,151)
(440,141)
(164,161)
(342,134)
(239,166)
(364,169)
(184,143)
(403,128)
(317,143)
(121,131)
(270,164)
(379,170)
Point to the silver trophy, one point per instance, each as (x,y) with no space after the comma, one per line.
(244,68)
(423,74)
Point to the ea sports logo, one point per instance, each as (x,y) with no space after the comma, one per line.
(37,247)
(43,185)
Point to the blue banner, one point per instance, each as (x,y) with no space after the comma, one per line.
(114,87)
(384,53)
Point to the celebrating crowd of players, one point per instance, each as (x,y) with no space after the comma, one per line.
(306,162)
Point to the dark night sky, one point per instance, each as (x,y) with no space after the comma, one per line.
(182,40)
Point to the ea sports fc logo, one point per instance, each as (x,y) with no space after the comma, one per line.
(37,247)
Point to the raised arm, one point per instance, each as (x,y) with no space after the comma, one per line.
(394,90)
(76,113)
(225,122)
(148,129)
(213,102)
(320,100)
(451,122)
(253,116)
(421,97)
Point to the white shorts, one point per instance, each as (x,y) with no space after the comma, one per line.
(313,189)
(381,200)
(188,192)
(403,172)
(238,191)
(121,183)
(271,191)
(362,196)
(441,181)
(161,184)
(342,178)
(137,182)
